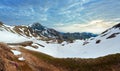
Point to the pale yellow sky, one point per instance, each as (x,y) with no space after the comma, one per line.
(95,26)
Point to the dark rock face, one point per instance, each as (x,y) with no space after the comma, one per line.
(112,35)
(104,31)
(1,23)
(98,41)
(37,26)
(117,26)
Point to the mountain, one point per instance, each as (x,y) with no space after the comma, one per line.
(51,33)
(24,48)
(39,35)
(111,34)
(76,35)
(41,32)
(46,32)
(104,44)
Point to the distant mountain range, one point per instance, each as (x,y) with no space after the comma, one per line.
(44,33)
(52,33)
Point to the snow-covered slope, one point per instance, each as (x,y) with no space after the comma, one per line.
(41,32)
(8,37)
(104,44)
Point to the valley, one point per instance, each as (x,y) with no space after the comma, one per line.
(36,54)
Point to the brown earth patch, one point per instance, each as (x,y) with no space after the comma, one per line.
(38,64)
(10,62)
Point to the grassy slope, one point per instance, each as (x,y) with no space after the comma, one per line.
(107,63)
(9,62)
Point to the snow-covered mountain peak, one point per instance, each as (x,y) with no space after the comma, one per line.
(37,26)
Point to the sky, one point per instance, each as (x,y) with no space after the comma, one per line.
(63,15)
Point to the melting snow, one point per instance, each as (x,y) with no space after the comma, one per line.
(16,52)
(21,58)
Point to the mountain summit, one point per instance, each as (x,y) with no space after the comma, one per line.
(53,34)
(41,32)
(37,26)
(27,46)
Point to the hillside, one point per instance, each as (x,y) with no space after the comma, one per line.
(40,32)
(9,61)
(32,53)
(107,63)
(36,61)
(91,48)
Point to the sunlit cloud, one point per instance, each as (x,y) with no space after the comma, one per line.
(66,15)
(95,26)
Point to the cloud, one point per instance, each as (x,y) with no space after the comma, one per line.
(116,19)
(73,11)
(95,26)
(24,11)
(104,9)
(72,5)
(59,24)
(75,3)
(51,12)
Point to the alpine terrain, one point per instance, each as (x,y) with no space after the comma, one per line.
(39,48)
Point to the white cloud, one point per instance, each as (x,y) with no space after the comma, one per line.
(68,10)
(72,11)
(95,26)
(59,24)
(116,19)
(78,4)
(74,4)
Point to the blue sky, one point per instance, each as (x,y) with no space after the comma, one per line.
(63,15)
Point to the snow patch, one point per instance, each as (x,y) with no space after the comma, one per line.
(16,52)
(21,58)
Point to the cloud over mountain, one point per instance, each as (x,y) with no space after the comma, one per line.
(67,12)
(95,26)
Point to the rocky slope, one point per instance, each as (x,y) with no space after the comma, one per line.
(30,57)
(110,35)
(51,33)
(38,31)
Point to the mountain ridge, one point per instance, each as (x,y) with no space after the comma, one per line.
(41,32)
(99,53)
